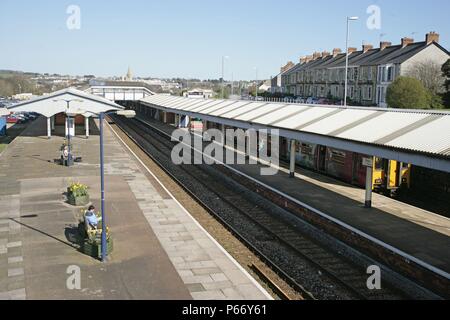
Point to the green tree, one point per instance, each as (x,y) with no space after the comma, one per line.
(446,73)
(407,93)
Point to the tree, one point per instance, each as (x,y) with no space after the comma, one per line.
(407,93)
(430,74)
(446,74)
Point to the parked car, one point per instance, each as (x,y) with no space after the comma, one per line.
(13,119)
(23,117)
(312,100)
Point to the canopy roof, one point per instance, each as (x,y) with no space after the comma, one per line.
(420,137)
(54,103)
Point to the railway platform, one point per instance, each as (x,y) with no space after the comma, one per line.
(421,234)
(160,251)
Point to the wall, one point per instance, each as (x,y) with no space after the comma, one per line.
(431,53)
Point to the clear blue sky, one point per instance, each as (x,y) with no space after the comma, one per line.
(170,38)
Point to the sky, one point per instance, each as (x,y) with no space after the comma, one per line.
(180,38)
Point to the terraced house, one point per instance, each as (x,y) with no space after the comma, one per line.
(370,70)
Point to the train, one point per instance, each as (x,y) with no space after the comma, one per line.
(388,175)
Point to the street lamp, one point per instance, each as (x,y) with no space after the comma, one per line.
(223,75)
(346,57)
(69,114)
(256,84)
(101,115)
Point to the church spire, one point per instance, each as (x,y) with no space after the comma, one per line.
(129,74)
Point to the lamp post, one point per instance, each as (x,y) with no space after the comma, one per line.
(69,114)
(256,83)
(346,57)
(128,114)
(223,75)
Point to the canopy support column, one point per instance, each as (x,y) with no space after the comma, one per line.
(49,128)
(292,160)
(86,124)
(369,178)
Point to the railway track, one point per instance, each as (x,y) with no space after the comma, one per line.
(280,245)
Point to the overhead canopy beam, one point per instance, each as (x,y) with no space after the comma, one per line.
(418,159)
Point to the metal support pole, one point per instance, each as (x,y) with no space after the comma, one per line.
(49,128)
(292,162)
(256,86)
(86,124)
(346,64)
(102,188)
(223,84)
(224,134)
(369,178)
(69,156)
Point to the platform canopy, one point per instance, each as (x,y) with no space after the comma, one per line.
(420,137)
(80,103)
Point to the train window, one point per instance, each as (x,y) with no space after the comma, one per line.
(405,165)
(338,156)
(307,149)
(378,163)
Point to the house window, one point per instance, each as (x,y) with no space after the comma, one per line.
(369,73)
(369,93)
(390,73)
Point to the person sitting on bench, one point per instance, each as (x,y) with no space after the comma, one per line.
(91,218)
(64,153)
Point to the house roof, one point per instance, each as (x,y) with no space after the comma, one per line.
(393,54)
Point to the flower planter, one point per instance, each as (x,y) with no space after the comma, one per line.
(78,200)
(94,249)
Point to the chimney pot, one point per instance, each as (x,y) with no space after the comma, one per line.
(406,41)
(336,51)
(316,55)
(384,45)
(432,37)
(367,47)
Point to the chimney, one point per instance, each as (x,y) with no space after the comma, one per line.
(325,54)
(352,49)
(288,66)
(308,58)
(316,55)
(407,41)
(303,60)
(384,45)
(336,51)
(432,37)
(366,47)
